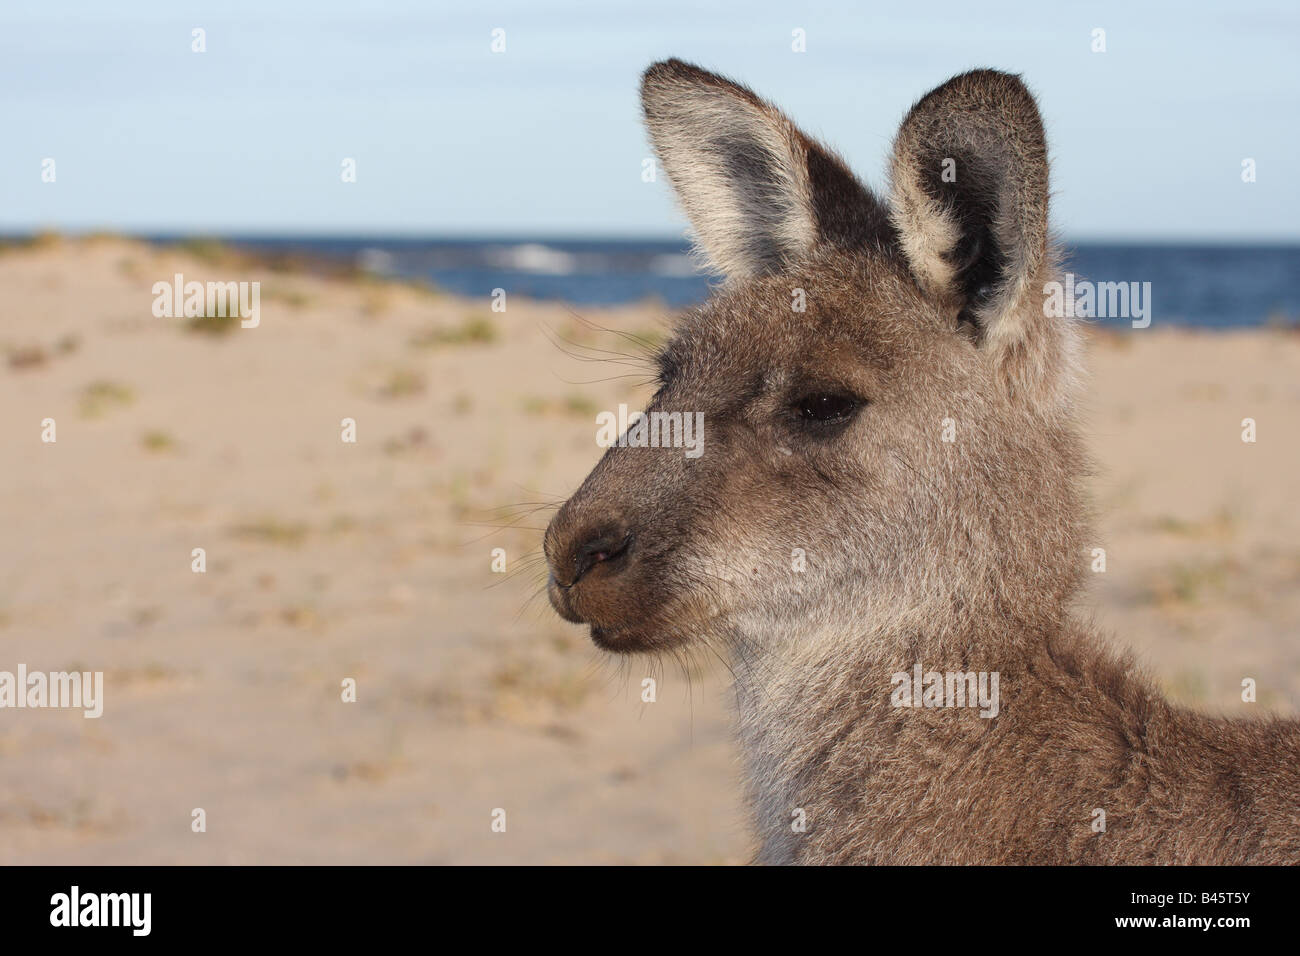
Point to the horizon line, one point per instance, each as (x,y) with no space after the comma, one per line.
(362,235)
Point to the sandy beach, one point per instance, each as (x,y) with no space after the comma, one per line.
(328,560)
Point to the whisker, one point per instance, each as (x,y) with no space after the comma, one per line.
(644,344)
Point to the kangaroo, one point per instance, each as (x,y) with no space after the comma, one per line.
(891,490)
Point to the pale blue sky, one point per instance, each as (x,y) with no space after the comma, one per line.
(451,139)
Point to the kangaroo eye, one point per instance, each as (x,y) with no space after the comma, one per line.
(826,407)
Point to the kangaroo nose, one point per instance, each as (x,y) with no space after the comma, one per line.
(599,547)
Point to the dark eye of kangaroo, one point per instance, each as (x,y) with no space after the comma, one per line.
(827,408)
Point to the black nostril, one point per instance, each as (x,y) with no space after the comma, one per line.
(598,550)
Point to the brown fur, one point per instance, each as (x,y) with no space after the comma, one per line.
(963,555)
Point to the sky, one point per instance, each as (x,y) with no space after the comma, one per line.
(449,138)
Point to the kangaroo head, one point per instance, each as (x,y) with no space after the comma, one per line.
(887,409)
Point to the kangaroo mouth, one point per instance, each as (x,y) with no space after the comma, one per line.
(615,627)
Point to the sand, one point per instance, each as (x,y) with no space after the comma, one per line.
(372,561)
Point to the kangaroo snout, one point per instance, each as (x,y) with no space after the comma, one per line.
(603,547)
(586,555)
(573,554)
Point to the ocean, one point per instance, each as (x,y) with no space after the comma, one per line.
(1210,286)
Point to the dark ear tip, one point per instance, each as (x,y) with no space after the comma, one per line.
(990,75)
(676,75)
(666,71)
(989,99)
(994,83)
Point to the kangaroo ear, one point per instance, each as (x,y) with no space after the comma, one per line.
(758,192)
(969,176)
(969,200)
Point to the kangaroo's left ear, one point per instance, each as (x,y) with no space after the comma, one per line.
(969,200)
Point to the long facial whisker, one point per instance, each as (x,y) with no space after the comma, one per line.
(644,346)
(591,353)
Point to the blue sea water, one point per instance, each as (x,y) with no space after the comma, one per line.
(1191,285)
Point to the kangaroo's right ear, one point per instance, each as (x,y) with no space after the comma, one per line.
(759,193)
